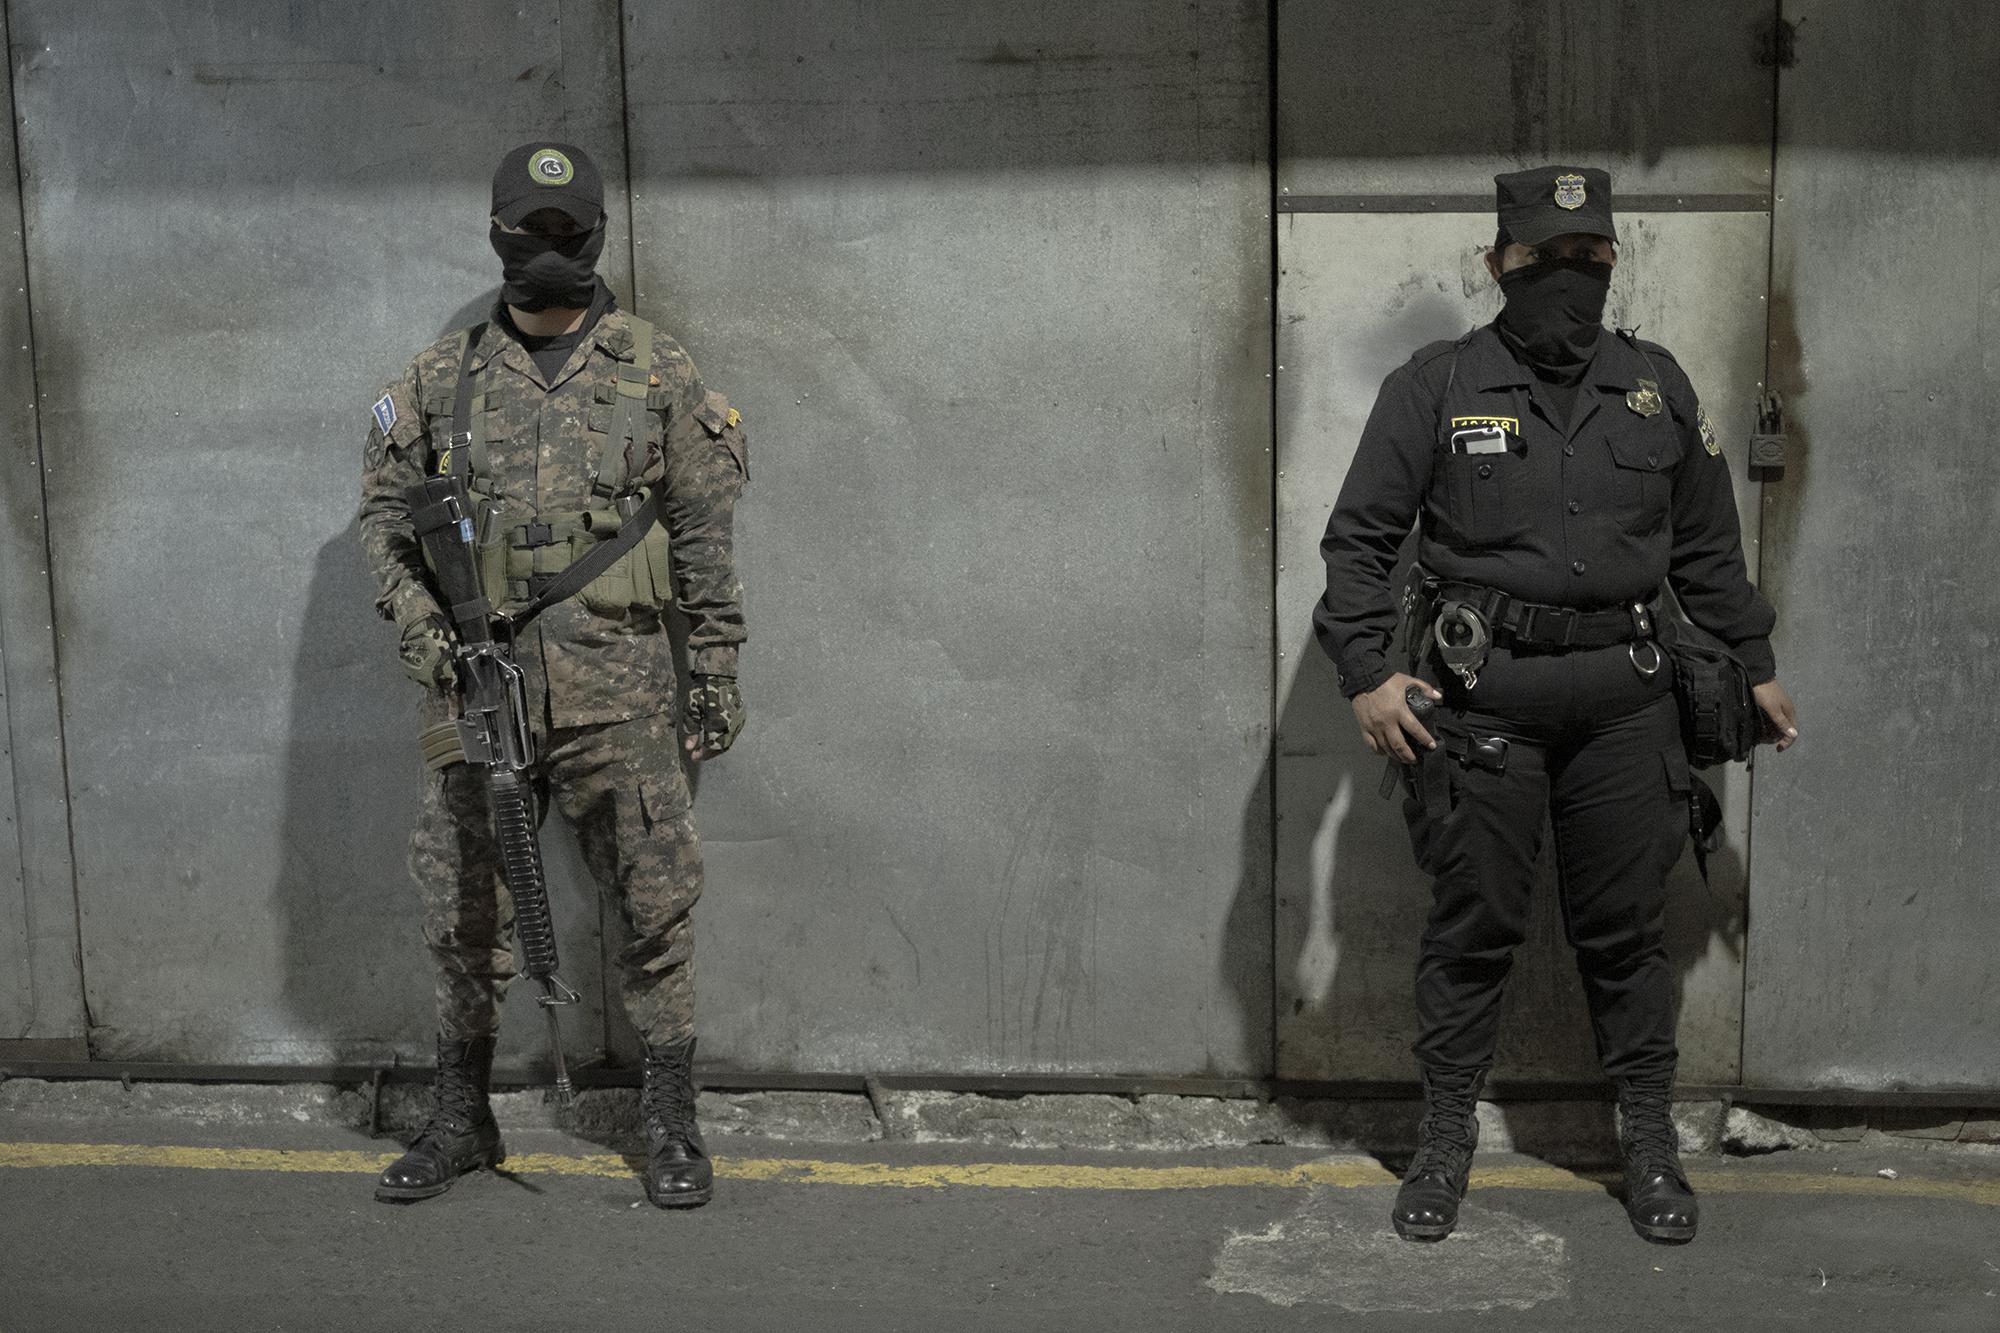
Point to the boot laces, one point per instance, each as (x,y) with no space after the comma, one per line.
(457,1103)
(669,1098)
(1448,1132)
(1652,1145)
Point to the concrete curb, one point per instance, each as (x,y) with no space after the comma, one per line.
(1570,1131)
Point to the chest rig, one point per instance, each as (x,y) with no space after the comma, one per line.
(523,552)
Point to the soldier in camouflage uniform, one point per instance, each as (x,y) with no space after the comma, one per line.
(550,447)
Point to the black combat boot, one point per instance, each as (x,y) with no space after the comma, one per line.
(461,1134)
(1427,1204)
(1658,1198)
(678,1173)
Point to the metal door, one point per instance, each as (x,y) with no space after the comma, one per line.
(1392,121)
(1875,886)
(991,285)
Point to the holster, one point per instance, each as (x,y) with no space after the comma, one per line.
(1430,780)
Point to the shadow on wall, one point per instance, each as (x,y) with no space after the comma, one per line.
(351,968)
(357,979)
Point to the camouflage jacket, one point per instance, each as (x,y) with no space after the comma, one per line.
(584,666)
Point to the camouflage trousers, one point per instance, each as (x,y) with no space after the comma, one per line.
(620,786)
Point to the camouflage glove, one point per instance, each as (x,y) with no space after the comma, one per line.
(427,654)
(714,715)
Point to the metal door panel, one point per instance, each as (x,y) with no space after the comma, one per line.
(1873,894)
(990,285)
(41,982)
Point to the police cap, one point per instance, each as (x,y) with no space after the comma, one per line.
(1551,201)
(548,175)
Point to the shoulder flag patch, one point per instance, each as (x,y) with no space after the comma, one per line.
(385,413)
(1708,440)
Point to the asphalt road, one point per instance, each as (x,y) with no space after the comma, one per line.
(180,1227)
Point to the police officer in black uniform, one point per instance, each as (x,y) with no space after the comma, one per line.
(1558,473)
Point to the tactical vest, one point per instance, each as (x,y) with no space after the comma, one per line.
(521,550)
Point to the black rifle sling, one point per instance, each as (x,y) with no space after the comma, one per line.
(599,558)
(458,456)
(458,449)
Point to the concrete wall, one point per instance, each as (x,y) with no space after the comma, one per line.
(992,289)
(993,285)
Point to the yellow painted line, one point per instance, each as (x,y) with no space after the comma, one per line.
(200,1159)
(1986,1193)
(1334,1174)
(1056,1175)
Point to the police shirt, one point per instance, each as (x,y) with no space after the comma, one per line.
(1590,514)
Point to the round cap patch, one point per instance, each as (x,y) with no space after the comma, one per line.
(549,167)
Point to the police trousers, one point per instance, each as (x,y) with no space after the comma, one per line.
(1593,754)
(621,787)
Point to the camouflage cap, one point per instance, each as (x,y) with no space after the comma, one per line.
(1552,201)
(548,175)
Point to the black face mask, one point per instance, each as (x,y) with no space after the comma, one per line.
(1555,310)
(545,272)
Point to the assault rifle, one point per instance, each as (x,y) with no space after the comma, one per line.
(492,731)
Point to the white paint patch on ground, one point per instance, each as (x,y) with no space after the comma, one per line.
(1338,1249)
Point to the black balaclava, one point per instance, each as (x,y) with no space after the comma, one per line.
(547,272)
(1555,311)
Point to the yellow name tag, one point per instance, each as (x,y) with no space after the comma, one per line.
(1512,425)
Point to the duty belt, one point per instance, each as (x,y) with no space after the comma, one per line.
(1538,625)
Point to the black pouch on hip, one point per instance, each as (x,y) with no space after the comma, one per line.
(1720,721)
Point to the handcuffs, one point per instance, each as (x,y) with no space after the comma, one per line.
(1464,639)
